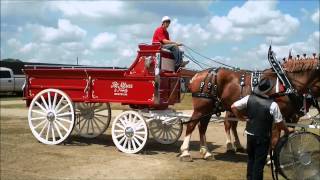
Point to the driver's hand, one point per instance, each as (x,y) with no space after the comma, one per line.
(179,44)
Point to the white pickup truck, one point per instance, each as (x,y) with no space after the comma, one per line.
(9,82)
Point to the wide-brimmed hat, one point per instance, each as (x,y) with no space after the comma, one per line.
(264,86)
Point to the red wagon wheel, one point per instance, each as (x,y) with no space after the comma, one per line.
(92,119)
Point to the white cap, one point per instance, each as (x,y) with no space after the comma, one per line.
(166,18)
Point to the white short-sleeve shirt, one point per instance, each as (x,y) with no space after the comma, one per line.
(274,108)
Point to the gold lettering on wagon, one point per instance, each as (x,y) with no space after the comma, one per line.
(121,88)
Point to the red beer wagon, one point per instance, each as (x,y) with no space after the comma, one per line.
(63,98)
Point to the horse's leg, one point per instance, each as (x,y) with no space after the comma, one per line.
(227,127)
(237,144)
(185,155)
(205,153)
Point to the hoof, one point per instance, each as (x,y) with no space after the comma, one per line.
(229,147)
(230,151)
(186,158)
(241,150)
(208,157)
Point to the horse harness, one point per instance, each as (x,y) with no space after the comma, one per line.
(298,100)
(211,90)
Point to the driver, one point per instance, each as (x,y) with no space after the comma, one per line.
(161,35)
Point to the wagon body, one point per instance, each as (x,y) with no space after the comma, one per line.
(150,81)
(66,98)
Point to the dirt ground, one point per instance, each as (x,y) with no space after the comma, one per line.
(23,157)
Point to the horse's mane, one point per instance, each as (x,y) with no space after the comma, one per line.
(298,65)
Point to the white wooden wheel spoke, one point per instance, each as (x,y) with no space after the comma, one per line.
(61,125)
(88,124)
(80,120)
(101,115)
(129,144)
(140,128)
(92,125)
(59,103)
(133,144)
(53,135)
(165,133)
(38,125)
(49,100)
(47,122)
(120,126)
(41,107)
(65,120)
(58,130)
(38,118)
(83,125)
(64,114)
(64,107)
(98,110)
(44,102)
(125,143)
(122,122)
(129,132)
(122,139)
(39,112)
(170,135)
(48,131)
(139,137)
(120,135)
(54,101)
(96,119)
(95,122)
(46,114)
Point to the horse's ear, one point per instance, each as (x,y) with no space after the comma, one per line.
(290,56)
(269,51)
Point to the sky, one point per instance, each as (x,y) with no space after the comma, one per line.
(107,33)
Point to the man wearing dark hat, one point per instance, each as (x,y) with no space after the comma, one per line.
(262,112)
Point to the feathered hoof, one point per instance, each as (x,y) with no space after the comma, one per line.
(230,151)
(208,157)
(187,158)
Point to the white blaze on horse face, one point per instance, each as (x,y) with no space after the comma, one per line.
(185,144)
(194,77)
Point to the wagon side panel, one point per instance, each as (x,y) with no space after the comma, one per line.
(72,84)
(124,90)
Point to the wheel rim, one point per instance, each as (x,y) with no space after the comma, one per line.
(92,119)
(129,132)
(51,116)
(165,133)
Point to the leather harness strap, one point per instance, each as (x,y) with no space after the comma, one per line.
(212,92)
(242,84)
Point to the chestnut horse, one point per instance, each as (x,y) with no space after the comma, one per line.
(213,89)
(290,66)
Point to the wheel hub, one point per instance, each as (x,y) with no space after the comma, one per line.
(305,159)
(129,132)
(88,113)
(51,116)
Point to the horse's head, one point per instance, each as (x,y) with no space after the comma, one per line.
(304,73)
